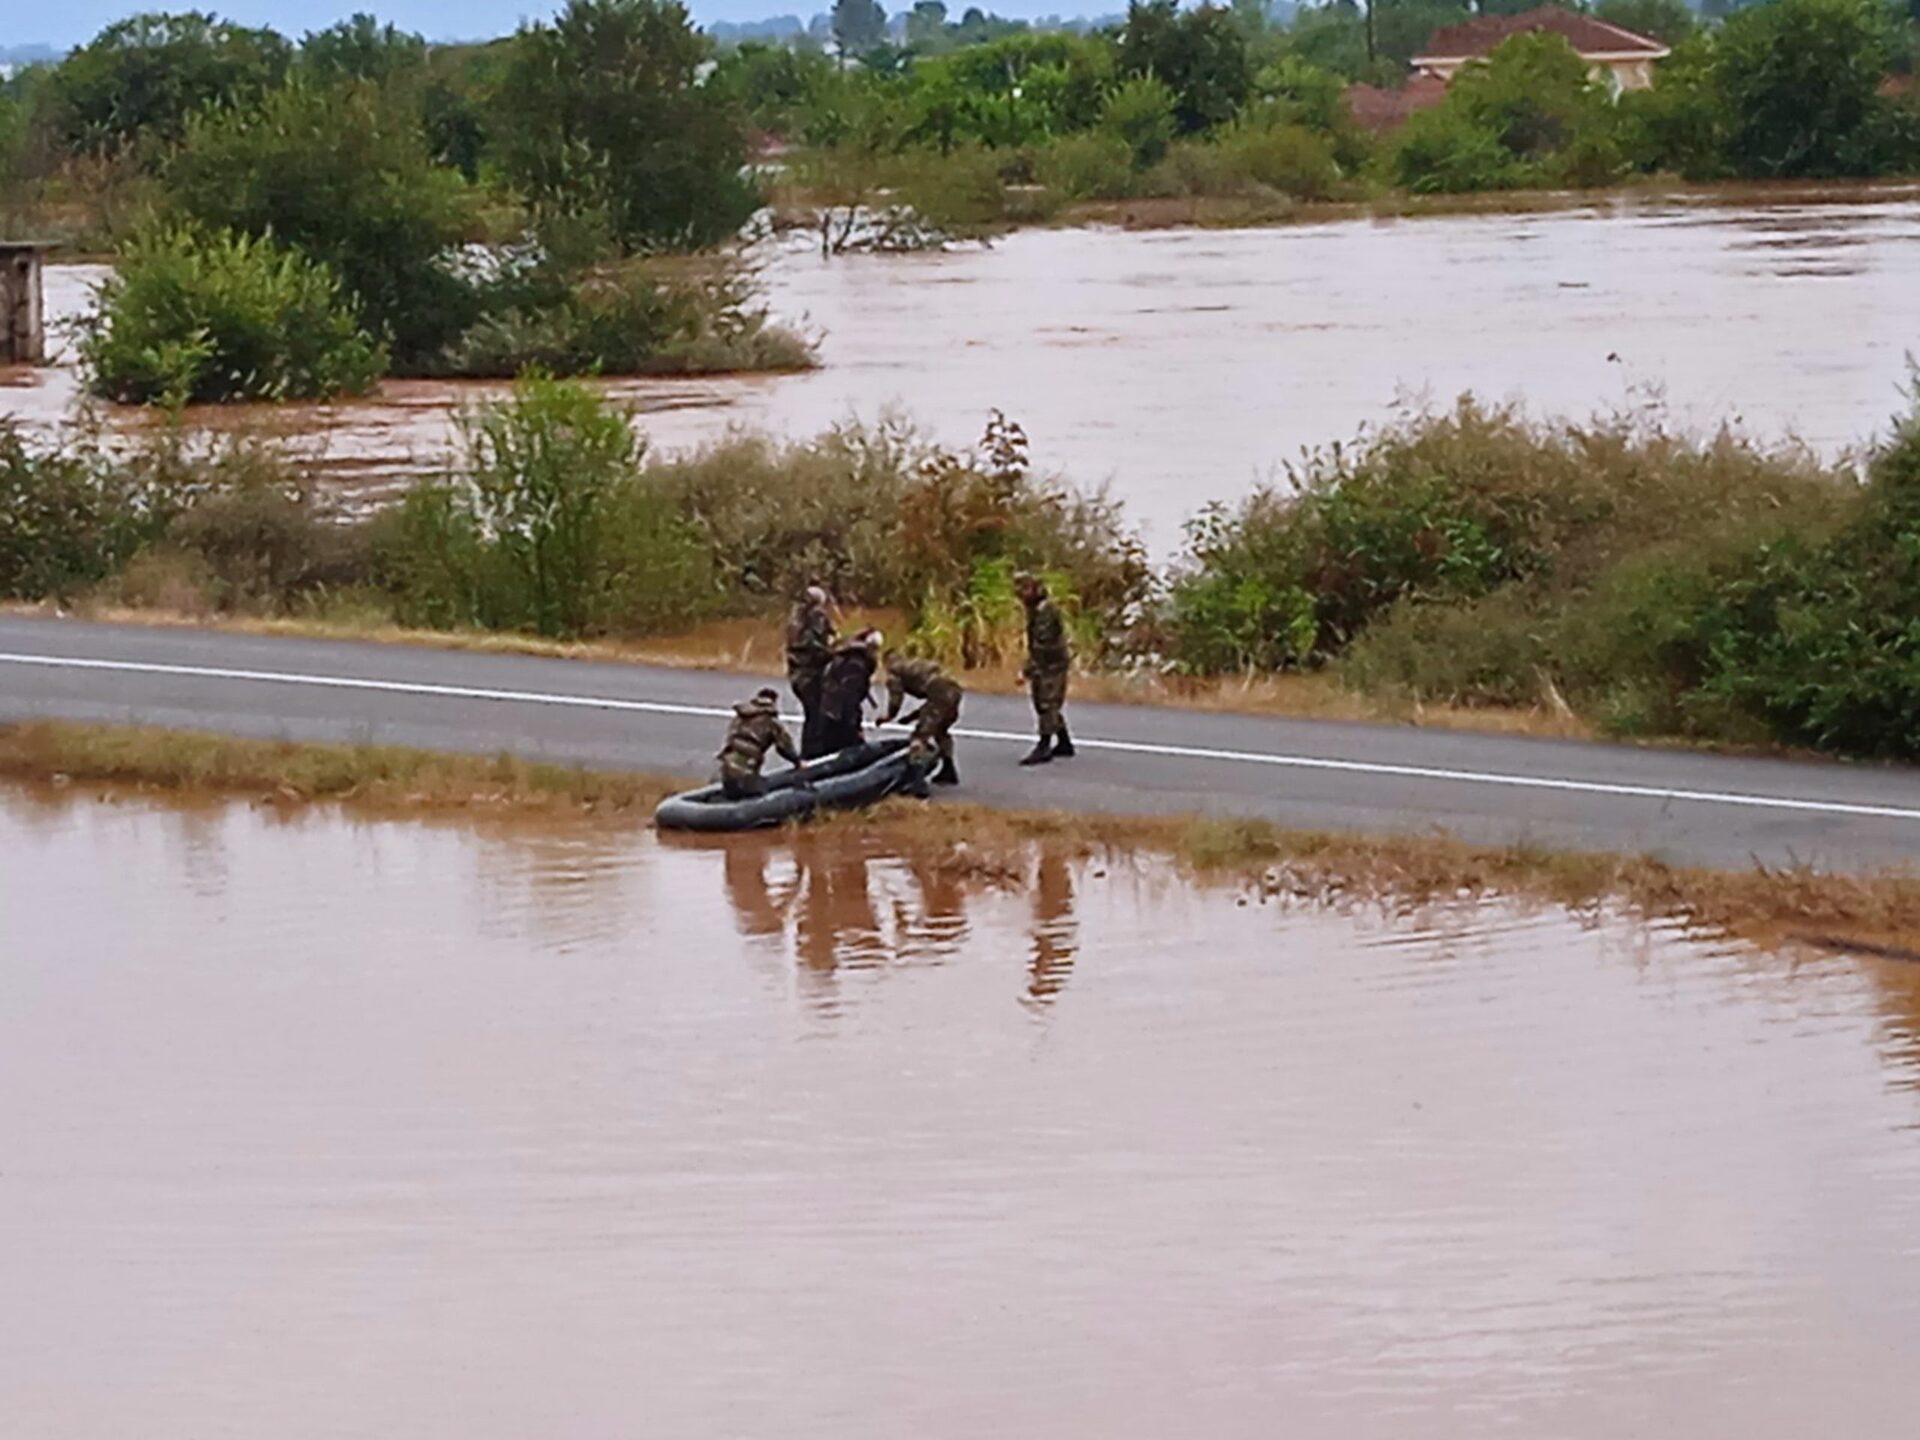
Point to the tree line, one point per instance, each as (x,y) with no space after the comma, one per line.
(296,218)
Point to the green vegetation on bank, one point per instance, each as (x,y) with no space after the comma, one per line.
(1652,584)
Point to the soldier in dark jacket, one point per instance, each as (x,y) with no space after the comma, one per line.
(1049,658)
(810,637)
(845,691)
(939,696)
(754,730)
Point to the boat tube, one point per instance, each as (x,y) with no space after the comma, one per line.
(858,775)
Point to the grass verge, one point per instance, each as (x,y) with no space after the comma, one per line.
(379,776)
(1874,913)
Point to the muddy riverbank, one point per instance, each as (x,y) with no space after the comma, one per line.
(508,1120)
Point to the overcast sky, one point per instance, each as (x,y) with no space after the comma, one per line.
(70,22)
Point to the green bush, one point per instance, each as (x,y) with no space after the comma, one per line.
(539,470)
(191,316)
(340,173)
(1819,639)
(69,520)
(1280,156)
(958,193)
(631,318)
(1444,152)
(883,518)
(264,546)
(1489,651)
(1139,112)
(1529,114)
(1091,165)
(549,527)
(1450,508)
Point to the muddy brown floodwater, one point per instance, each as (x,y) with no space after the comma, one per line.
(318,1127)
(1184,366)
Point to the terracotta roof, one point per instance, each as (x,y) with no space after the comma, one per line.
(1588,36)
(1379,111)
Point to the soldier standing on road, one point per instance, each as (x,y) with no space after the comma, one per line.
(845,691)
(1049,658)
(939,696)
(810,637)
(754,730)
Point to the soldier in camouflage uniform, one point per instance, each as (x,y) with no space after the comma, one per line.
(1049,658)
(810,639)
(754,730)
(939,696)
(846,691)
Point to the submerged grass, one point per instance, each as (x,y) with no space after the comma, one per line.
(1876,913)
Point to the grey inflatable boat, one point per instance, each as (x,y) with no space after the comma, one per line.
(858,775)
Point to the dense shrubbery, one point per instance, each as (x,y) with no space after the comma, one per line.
(558,523)
(190,315)
(1659,585)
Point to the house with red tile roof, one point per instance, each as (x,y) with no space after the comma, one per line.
(1622,58)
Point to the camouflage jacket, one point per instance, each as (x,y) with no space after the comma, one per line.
(1047,650)
(922,679)
(810,638)
(845,685)
(754,730)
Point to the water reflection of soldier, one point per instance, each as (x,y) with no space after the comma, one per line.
(1055,936)
(754,730)
(745,873)
(834,913)
(939,696)
(846,690)
(810,637)
(1049,658)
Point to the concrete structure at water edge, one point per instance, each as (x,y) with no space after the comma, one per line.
(23,308)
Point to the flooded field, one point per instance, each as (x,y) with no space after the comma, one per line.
(322,1127)
(1184,366)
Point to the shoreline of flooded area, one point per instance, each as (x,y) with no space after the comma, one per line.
(1183,366)
(503,1118)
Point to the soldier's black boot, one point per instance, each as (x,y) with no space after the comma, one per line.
(1063,747)
(1041,753)
(948,773)
(913,781)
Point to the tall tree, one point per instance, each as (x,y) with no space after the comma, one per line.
(603,118)
(858,25)
(138,81)
(1799,81)
(361,48)
(1200,54)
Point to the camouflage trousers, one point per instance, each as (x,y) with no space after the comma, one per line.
(1049,691)
(933,729)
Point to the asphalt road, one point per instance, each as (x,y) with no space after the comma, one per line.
(1687,808)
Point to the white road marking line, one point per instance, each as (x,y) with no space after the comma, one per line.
(1128,747)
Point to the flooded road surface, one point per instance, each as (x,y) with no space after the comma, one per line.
(320,1128)
(1184,366)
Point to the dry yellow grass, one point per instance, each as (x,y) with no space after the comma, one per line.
(380,776)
